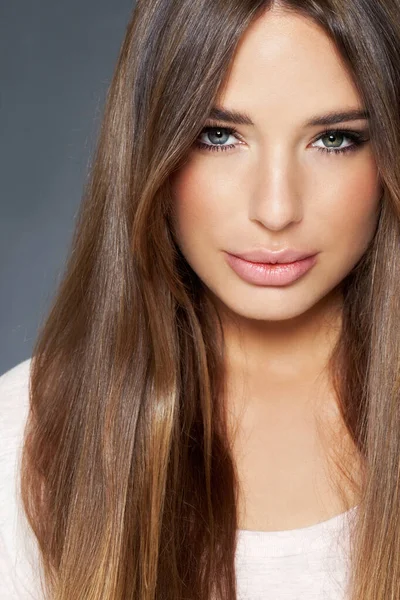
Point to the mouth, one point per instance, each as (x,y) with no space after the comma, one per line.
(270,274)
(266,256)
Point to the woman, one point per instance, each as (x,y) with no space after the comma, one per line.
(204,422)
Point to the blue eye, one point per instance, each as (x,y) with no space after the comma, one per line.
(356,138)
(220,133)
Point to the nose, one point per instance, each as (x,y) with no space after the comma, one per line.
(276,199)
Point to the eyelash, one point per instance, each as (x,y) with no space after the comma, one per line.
(357,138)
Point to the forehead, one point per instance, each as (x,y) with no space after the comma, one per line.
(286,66)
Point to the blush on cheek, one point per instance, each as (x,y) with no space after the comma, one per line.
(354,194)
(365,193)
(361,212)
(198,205)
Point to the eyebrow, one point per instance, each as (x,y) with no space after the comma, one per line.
(218,113)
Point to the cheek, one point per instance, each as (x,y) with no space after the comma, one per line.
(352,205)
(203,205)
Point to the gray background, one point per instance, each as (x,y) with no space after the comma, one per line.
(56,63)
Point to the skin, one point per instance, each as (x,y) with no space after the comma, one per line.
(276,190)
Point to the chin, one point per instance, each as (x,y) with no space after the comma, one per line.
(254,307)
(263,314)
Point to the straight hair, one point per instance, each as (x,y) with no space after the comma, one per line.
(128,479)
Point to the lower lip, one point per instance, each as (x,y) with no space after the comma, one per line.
(269,274)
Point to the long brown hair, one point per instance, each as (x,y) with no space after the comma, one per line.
(128,479)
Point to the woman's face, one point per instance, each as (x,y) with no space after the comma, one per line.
(280,182)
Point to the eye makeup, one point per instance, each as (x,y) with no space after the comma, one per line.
(357,139)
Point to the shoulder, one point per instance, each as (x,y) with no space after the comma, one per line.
(17,547)
(14,401)
(14,407)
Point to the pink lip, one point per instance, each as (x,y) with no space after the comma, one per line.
(270,274)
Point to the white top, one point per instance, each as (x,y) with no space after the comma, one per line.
(300,564)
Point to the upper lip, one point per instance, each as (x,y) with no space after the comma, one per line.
(263,255)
